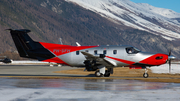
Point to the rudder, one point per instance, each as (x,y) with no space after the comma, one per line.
(27,47)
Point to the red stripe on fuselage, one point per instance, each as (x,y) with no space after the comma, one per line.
(58,49)
(56,60)
(149,61)
(121,60)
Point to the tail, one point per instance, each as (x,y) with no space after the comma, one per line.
(27,47)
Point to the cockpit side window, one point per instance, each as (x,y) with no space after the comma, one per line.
(132,50)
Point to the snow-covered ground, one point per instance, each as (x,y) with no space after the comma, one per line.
(86,90)
(24,62)
(29,94)
(175,69)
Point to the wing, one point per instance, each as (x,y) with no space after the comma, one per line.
(100,59)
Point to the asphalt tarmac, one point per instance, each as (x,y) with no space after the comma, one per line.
(34,70)
(48,72)
(45,71)
(40,83)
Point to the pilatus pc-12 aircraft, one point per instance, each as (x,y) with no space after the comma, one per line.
(101,59)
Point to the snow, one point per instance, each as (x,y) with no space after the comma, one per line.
(161,11)
(29,94)
(168,38)
(116,9)
(175,68)
(23,62)
(86,90)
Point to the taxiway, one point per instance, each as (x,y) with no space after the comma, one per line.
(48,72)
(36,83)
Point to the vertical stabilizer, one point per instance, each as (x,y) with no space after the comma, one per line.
(22,41)
(27,47)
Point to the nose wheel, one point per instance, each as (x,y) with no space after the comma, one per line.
(146,75)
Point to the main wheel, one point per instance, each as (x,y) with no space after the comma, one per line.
(107,74)
(145,75)
(98,74)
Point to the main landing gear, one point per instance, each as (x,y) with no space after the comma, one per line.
(106,73)
(102,72)
(146,75)
(98,74)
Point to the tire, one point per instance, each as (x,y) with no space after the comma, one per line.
(145,75)
(98,74)
(107,74)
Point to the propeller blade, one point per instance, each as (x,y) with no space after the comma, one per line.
(170,66)
(170,52)
(169,61)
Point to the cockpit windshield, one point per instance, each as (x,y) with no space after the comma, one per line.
(132,50)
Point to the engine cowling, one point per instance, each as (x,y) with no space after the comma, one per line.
(90,65)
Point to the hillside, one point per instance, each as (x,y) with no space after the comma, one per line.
(50,20)
(140,16)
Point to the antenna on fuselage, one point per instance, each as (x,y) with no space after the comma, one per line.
(78,44)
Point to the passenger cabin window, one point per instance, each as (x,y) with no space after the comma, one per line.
(86,51)
(95,52)
(104,51)
(114,51)
(77,52)
(132,50)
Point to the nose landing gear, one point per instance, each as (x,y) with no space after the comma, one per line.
(146,75)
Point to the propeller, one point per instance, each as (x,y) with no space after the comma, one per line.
(170,57)
(169,61)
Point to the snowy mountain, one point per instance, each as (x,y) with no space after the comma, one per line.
(159,21)
(92,22)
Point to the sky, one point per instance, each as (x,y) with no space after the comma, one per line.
(168,4)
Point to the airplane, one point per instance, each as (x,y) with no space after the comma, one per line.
(5,60)
(101,59)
